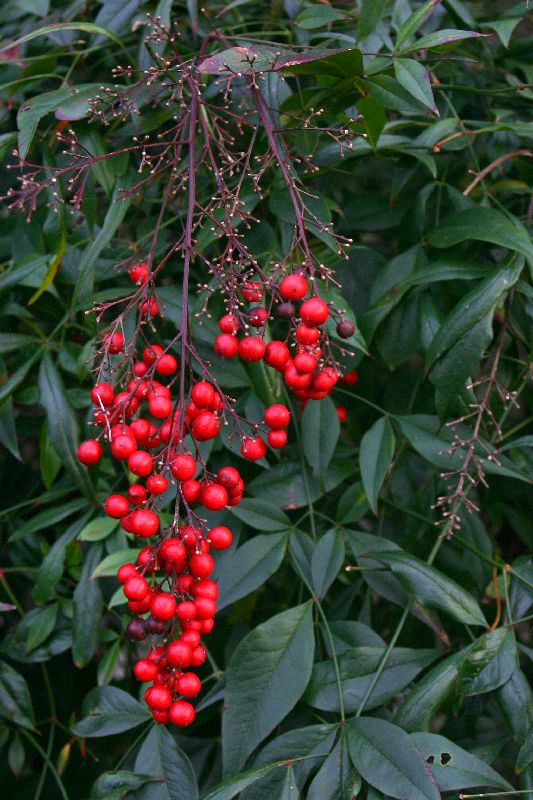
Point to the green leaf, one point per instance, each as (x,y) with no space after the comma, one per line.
(488,664)
(49,461)
(267,675)
(327,559)
(115,214)
(51,569)
(443,38)
(161,756)
(87,606)
(369,17)
(98,529)
(15,700)
(8,432)
(10,342)
(320,432)
(316,16)
(472,309)
(88,27)
(414,21)
(107,664)
(387,759)
(429,695)
(116,785)
(233,786)
(110,564)
(62,423)
(335,776)
(415,79)
(430,587)
(16,756)
(13,382)
(108,710)
(261,515)
(375,457)
(243,571)
(357,667)
(47,518)
(389,93)
(374,119)
(483,225)
(525,754)
(454,768)
(503,28)
(42,626)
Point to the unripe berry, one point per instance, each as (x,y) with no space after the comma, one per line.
(89,452)
(293,287)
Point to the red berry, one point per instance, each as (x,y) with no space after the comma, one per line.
(145,670)
(138,273)
(351,378)
(140,606)
(181,713)
(257,316)
(186,610)
(325,379)
(103,392)
(307,336)
(214,497)
(136,588)
(146,558)
(160,407)
(122,446)
(204,588)
(229,477)
(116,506)
(148,308)
(173,550)
(229,323)
(145,522)
(183,467)
(140,369)
(201,565)
(207,625)
(277,439)
(342,414)
(136,494)
(202,394)
(205,426)
(89,452)
(167,365)
(163,606)
(158,697)
(295,379)
(252,348)
(253,448)
(140,428)
(314,312)
(276,354)
(252,292)
(151,353)
(126,571)
(140,463)
(179,654)
(277,416)
(226,345)
(293,287)
(157,484)
(114,342)
(205,608)
(219,537)
(191,490)
(191,636)
(198,657)
(188,685)
(304,362)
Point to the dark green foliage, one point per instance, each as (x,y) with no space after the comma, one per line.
(408,673)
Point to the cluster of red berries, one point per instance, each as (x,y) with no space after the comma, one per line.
(180,603)
(306,373)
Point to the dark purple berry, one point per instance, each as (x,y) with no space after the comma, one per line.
(137,630)
(285,311)
(345,328)
(156,626)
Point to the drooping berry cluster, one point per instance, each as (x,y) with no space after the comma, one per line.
(311,372)
(169,589)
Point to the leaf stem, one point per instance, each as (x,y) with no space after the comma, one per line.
(48,761)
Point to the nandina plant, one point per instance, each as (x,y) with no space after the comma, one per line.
(266,402)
